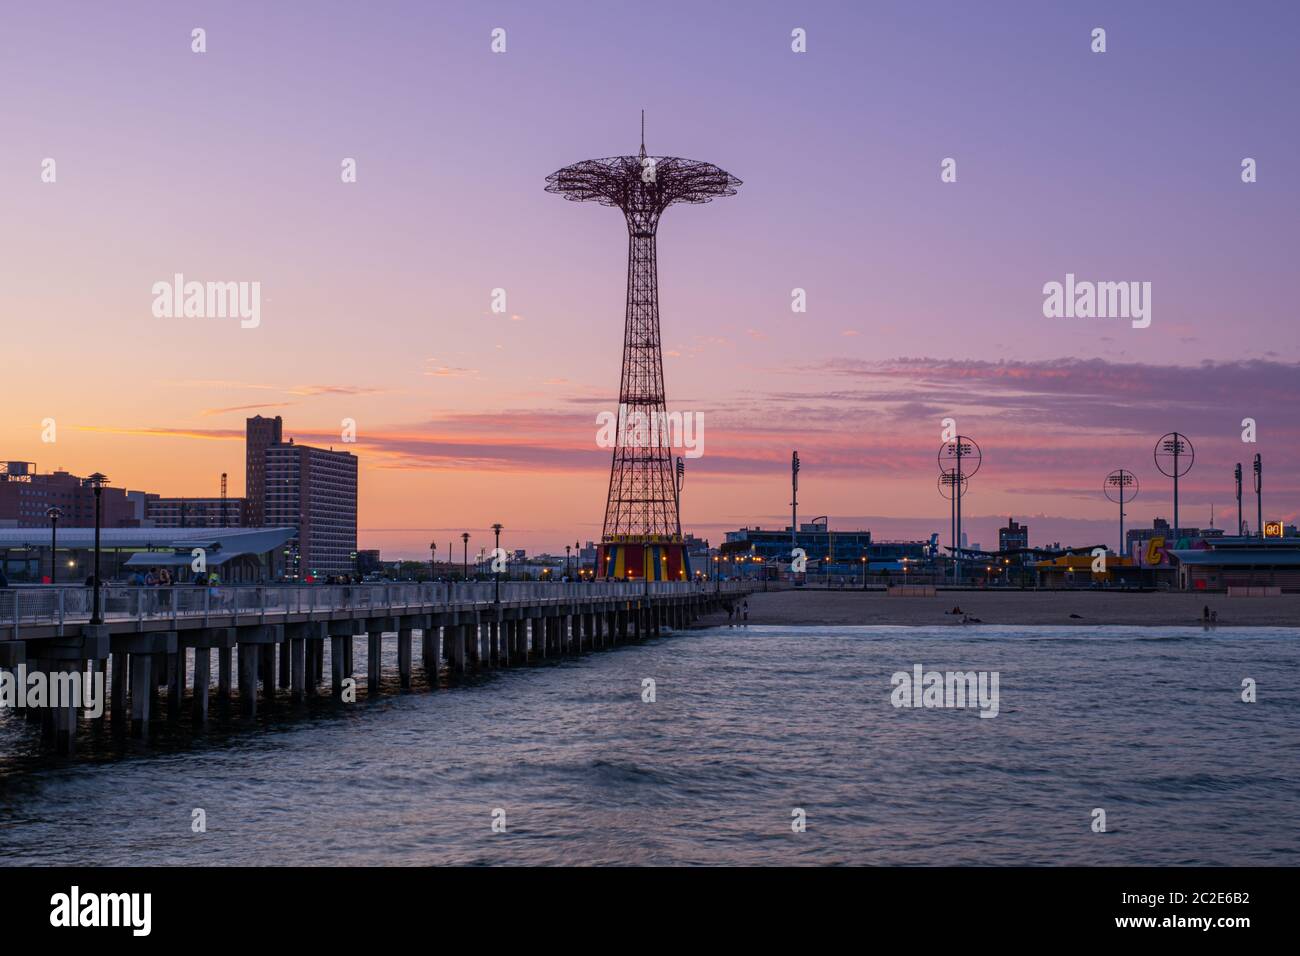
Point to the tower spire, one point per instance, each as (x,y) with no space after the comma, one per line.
(643,134)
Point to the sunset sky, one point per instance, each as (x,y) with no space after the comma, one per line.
(924,298)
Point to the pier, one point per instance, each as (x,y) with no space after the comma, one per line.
(272,638)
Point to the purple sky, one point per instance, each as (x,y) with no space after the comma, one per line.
(924,298)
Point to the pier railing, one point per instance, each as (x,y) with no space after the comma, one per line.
(72,604)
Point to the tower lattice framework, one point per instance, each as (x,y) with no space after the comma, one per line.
(642,534)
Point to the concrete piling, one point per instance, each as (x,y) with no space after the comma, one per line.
(298,668)
(337,664)
(248,655)
(309,666)
(224,676)
(202,678)
(175,683)
(429,654)
(374,653)
(460,637)
(118,691)
(141,692)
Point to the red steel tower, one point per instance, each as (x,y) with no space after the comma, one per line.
(642,536)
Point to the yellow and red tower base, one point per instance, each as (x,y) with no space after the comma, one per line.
(660,557)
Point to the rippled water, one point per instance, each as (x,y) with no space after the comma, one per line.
(748,724)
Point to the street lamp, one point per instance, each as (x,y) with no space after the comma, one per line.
(433,564)
(496,560)
(54,514)
(97,481)
(567,549)
(465,539)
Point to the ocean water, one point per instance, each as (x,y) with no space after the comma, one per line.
(747,725)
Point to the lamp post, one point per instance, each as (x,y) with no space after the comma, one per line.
(864,572)
(433,563)
(464,537)
(567,549)
(54,514)
(496,561)
(97,481)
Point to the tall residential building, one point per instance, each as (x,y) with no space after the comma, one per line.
(314,490)
(1014,536)
(259,435)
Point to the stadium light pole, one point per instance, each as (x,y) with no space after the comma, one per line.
(1117,487)
(54,514)
(496,559)
(1172,451)
(1236,475)
(97,481)
(1259,500)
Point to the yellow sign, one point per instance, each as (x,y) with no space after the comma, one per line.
(1156,551)
(1272,529)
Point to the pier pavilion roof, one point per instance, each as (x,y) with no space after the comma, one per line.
(245,540)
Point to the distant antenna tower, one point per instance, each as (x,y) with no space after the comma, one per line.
(794,501)
(223,499)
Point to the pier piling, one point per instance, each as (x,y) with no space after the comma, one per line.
(404,657)
(374,651)
(202,680)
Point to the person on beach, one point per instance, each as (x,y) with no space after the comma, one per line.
(744,607)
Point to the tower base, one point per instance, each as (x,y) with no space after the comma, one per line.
(628,557)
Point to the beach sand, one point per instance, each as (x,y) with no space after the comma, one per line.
(818,607)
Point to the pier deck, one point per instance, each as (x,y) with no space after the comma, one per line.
(152,637)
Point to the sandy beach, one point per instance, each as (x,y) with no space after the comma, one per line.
(816,607)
